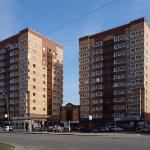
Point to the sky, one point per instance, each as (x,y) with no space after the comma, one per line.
(45,15)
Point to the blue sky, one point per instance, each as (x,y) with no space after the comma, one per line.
(45,15)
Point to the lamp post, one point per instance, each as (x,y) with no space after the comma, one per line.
(7,109)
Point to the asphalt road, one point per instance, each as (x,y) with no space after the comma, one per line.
(73,142)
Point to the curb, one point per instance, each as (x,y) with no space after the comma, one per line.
(80,134)
(114,135)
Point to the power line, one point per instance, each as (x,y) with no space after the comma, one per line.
(84,15)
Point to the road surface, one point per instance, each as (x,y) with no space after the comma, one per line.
(76,142)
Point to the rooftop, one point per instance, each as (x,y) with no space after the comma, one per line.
(116,28)
(31,30)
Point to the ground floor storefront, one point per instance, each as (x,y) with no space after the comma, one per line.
(28,124)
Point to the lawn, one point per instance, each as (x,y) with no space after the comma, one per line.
(6,147)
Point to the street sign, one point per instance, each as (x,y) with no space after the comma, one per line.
(90,117)
(6,116)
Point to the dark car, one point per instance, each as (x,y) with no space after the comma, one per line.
(143,130)
(50,129)
(95,130)
(103,129)
(115,129)
(85,130)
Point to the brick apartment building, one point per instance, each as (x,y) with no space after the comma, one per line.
(31,76)
(70,113)
(115,75)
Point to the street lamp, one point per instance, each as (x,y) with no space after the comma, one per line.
(7,108)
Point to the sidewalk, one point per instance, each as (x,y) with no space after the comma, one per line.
(98,134)
(78,134)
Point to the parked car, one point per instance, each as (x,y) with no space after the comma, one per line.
(95,130)
(55,129)
(8,128)
(50,129)
(85,130)
(115,129)
(118,129)
(143,130)
(1,128)
(103,129)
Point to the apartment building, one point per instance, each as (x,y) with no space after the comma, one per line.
(31,76)
(115,75)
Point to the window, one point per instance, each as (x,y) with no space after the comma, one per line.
(34,87)
(34,65)
(44,109)
(34,51)
(134,98)
(118,84)
(44,75)
(120,45)
(119,107)
(122,68)
(136,65)
(120,76)
(119,53)
(119,61)
(44,62)
(34,79)
(13,53)
(119,99)
(137,57)
(15,59)
(34,108)
(136,41)
(118,115)
(34,58)
(34,101)
(136,49)
(119,37)
(23,42)
(34,94)
(116,92)
(136,33)
(44,95)
(34,44)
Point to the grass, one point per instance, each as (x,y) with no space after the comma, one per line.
(6,147)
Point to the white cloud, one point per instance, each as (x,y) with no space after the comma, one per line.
(8,21)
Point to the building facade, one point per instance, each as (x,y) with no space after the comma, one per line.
(115,75)
(70,114)
(31,76)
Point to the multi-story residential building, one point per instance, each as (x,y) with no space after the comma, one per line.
(31,76)
(115,75)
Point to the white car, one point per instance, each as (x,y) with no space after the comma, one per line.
(8,128)
(117,129)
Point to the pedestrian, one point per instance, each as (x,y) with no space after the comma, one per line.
(26,127)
